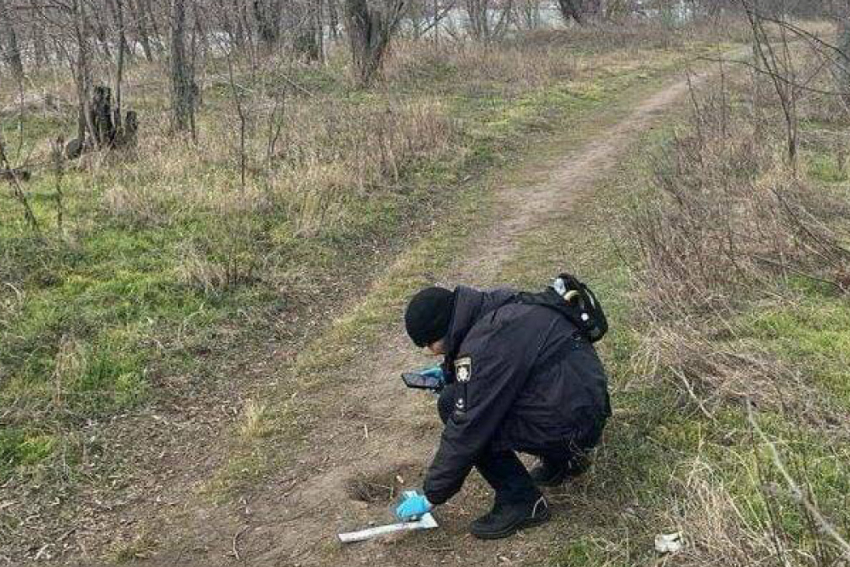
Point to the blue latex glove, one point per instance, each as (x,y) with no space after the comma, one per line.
(412,506)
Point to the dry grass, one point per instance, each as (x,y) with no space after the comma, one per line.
(254,420)
(639,35)
(346,153)
(223,260)
(521,65)
(732,231)
(716,526)
(730,216)
(329,151)
(729,224)
(331,155)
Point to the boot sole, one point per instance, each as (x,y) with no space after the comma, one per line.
(509,531)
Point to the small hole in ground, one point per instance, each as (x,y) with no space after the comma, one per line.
(382,486)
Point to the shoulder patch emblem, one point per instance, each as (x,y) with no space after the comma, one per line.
(463,369)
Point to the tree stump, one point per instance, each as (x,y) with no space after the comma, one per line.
(105,133)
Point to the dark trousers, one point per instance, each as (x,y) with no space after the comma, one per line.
(503,470)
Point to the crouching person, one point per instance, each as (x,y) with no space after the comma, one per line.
(520,376)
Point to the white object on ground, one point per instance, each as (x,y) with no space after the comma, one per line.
(426,522)
(669,543)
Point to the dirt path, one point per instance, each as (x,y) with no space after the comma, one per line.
(376,437)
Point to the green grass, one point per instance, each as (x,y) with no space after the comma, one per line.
(95,318)
(825,168)
(813,333)
(500,127)
(658,446)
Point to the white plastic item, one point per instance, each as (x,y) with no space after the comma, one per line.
(669,543)
(426,522)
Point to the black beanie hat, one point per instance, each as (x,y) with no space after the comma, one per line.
(428,315)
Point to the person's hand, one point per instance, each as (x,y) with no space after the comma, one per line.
(412,506)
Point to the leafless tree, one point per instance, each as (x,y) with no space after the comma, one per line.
(267,16)
(118,12)
(140,24)
(182,72)
(777,63)
(306,19)
(582,11)
(842,16)
(572,10)
(482,23)
(529,11)
(83,75)
(370,29)
(9,41)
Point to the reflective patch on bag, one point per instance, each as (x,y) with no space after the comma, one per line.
(463,369)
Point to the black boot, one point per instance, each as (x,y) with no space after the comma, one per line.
(507,519)
(552,473)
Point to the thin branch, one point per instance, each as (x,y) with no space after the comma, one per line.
(18,190)
(796,491)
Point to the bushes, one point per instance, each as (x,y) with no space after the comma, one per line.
(728,225)
(741,298)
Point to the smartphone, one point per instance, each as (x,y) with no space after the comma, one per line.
(416,380)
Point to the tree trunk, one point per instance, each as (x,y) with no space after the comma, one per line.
(245,21)
(39,46)
(843,43)
(238,31)
(571,10)
(9,42)
(182,81)
(333,19)
(150,18)
(83,72)
(267,16)
(477,13)
(116,14)
(370,32)
(308,38)
(141,28)
(119,72)
(319,27)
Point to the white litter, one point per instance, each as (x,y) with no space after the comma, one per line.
(669,543)
(426,522)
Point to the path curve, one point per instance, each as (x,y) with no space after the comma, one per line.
(376,430)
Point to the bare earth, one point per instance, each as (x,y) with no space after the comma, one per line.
(376,432)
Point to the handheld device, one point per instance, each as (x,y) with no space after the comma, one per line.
(422,381)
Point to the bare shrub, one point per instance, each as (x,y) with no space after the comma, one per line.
(714,367)
(728,216)
(217,262)
(728,220)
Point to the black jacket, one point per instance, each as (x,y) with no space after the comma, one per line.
(526,379)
